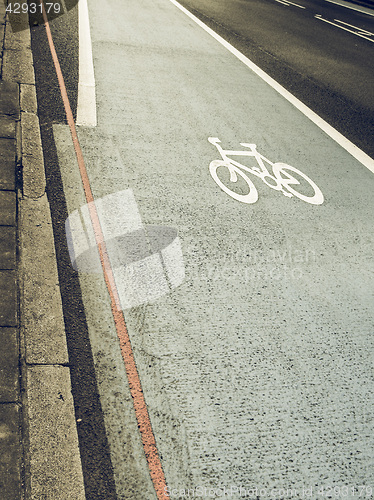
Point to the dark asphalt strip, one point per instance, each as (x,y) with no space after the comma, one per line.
(94,448)
(65,31)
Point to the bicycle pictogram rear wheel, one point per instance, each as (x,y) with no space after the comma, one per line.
(250,197)
(314,194)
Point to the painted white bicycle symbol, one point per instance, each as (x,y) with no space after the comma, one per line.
(281,180)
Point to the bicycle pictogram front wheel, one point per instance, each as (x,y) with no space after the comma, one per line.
(250,197)
(308,191)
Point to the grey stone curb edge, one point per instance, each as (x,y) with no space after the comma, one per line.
(53,468)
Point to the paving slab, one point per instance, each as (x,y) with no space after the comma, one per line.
(9,99)
(7,127)
(8,244)
(10,452)
(18,66)
(7,164)
(8,207)
(54,457)
(16,23)
(8,300)
(28,98)
(9,386)
(17,39)
(33,174)
(42,322)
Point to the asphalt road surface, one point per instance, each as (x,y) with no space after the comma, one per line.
(256,361)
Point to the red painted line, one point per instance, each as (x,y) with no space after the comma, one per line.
(141,411)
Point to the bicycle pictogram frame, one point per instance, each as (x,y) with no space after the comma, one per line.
(281,180)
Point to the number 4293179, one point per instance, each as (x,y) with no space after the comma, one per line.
(33,8)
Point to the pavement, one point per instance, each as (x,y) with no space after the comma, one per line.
(39,451)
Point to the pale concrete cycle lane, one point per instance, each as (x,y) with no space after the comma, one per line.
(257,370)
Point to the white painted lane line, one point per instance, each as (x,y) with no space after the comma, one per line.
(287,3)
(318,16)
(361,30)
(363,10)
(345,143)
(283,3)
(86,107)
(296,4)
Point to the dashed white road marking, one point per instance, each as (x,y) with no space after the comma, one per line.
(363,10)
(361,30)
(288,3)
(320,18)
(283,3)
(86,107)
(345,143)
(295,4)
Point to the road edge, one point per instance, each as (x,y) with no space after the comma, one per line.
(313,116)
